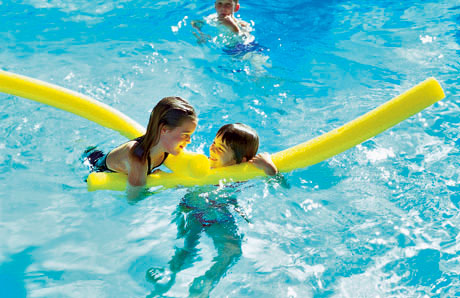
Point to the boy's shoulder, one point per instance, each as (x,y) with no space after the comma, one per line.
(213,20)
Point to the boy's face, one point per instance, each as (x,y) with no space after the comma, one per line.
(225,7)
(221,155)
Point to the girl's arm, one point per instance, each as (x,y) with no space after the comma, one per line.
(137,177)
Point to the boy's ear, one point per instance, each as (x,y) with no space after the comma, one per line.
(244,159)
(237,7)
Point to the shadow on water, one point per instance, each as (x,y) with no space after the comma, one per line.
(457,20)
(424,269)
(320,175)
(12,274)
(209,211)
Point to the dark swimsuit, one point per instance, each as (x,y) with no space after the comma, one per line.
(98,160)
(241,49)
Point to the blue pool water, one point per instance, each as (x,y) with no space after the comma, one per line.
(380,220)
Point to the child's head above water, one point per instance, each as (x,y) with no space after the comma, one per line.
(226,7)
(173,119)
(233,144)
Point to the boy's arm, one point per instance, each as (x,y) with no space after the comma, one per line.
(264,162)
(230,22)
(200,36)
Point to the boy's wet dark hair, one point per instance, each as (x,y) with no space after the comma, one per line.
(235,1)
(242,139)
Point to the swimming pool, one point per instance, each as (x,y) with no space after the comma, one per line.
(378,220)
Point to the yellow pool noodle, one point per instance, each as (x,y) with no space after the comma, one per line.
(311,152)
(189,164)
(190,169)
(360,129)
(69,101)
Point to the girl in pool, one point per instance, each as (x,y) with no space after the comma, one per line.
(171,124)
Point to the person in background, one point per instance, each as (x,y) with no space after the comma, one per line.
(225,15)
(231,30)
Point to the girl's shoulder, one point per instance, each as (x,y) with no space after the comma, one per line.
(124,148)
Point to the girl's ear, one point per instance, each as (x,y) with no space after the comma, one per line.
(237,7)
(163,129)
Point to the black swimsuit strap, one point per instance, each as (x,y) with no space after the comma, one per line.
(150,171)
(149,161)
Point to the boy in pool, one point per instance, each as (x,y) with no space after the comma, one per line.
(237,143)
(233,35)
(224,16)
(207,209)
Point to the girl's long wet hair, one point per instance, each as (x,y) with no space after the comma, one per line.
(171,112)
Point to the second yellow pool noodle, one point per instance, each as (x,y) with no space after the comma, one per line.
(311,152)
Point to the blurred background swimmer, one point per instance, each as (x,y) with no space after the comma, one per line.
(232,34)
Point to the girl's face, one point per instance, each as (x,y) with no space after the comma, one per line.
(225,7)
(221,155)
(174,140)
